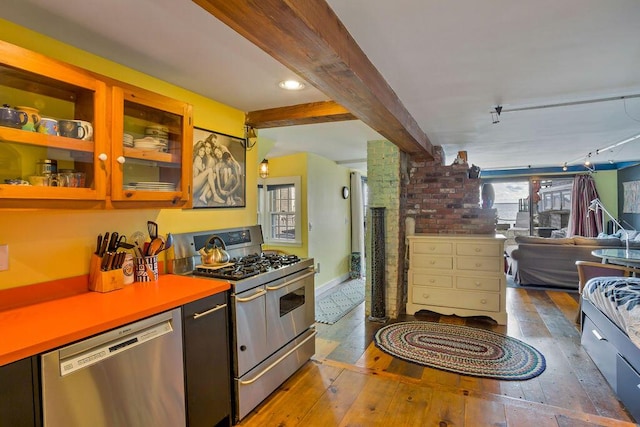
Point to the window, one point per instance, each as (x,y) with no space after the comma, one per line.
(279,210)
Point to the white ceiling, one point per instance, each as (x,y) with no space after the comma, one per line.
(450,62)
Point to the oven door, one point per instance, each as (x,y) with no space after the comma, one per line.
(250,330)
(290,307)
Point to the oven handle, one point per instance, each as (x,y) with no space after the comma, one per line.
(211,310)
(275,288)
(252,297)
(273,365)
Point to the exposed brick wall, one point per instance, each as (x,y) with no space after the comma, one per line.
(441,198)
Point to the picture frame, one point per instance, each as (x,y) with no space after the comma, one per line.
(218,170)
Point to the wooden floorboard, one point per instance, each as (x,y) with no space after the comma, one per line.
(350,382)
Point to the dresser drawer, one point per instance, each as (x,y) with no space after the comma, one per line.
(425,278)
(438,248)
(430,261)
(480,263)
(479,283)
(456,299)
(601,351)
(479,249)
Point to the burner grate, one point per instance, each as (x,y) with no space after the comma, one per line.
(247,266)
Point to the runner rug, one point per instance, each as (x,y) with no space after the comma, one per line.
(339,301)
(461,349)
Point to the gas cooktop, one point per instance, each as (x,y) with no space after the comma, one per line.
(246,266)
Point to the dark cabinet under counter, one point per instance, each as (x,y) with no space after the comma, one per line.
(19,394)
(206,358)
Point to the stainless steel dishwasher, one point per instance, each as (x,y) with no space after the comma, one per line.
(129,376)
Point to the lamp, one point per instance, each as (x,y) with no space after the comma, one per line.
(495,115)
(597,204)
(264,168)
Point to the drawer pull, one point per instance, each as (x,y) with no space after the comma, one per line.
(432,262)
(478,284)
(478,264)
(597,335)
(432,280)
(478,250)
(425,296)
(483,301)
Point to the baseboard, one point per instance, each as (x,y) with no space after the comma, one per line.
(326,287)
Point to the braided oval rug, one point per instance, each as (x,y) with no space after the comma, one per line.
(461,349)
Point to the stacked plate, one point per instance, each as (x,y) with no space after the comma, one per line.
(127,140)
(149,143)
(150,186)
(160,134)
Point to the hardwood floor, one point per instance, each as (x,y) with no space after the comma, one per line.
(349,382)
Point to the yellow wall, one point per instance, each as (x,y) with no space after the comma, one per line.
(52,244)
(329,217)
(326,216)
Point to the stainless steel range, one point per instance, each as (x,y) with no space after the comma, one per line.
(272,308)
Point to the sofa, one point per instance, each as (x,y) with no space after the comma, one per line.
(548,261)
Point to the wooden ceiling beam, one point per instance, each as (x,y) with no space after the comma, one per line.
(309,39)
(301,114)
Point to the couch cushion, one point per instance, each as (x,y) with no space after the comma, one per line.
(597,241)
(544,240)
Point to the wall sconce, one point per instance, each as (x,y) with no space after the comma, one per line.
(250,135)
(264,168)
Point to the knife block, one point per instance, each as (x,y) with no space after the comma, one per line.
(104,281)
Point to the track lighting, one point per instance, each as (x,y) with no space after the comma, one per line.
(495,115)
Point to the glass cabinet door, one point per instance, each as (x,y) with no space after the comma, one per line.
(53,140)
(151,143)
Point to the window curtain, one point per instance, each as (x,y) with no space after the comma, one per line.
(581,222)
(357,225)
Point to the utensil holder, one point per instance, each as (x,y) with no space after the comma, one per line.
(104,281)
(146,269)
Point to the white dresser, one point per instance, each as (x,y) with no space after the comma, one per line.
(457,274)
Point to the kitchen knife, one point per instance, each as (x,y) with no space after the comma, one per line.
(113,242)
(99,244)
(105,242)
(105,261)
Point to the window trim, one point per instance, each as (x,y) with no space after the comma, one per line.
(264,216)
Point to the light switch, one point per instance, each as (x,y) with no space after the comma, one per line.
(4,257)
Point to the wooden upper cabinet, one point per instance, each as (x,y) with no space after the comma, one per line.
(151,149)
(139,153)
(57,91)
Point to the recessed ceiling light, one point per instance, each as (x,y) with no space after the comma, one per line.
(291,85)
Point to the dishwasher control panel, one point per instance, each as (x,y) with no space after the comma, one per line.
(111,348)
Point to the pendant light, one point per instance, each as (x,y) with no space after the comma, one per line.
(264,168)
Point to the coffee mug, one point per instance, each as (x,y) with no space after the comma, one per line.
(48,126)
(71,129)
(11,117)
(88,130)
(33,118)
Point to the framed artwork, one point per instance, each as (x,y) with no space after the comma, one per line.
(219,165)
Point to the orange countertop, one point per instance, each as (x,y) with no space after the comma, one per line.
(32,329)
